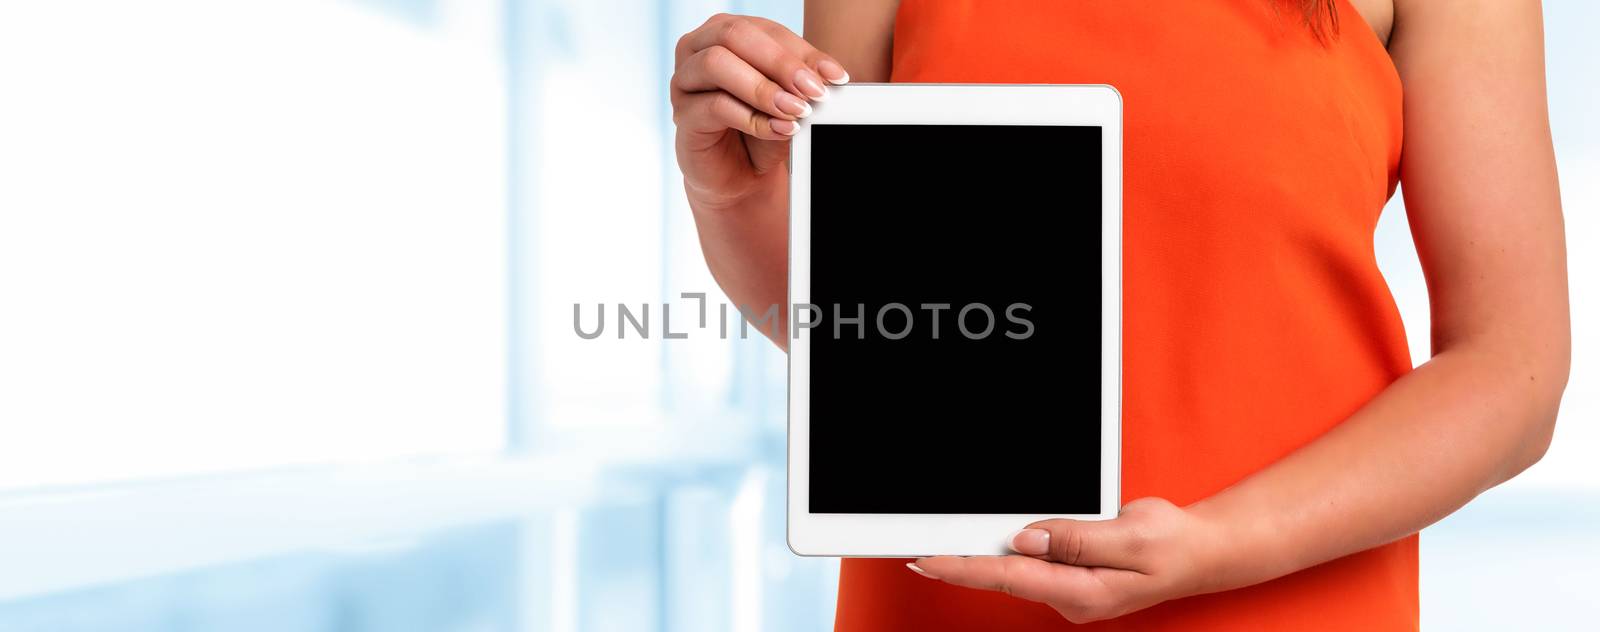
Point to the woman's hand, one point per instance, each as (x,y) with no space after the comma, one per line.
(1154,551)
(740,86)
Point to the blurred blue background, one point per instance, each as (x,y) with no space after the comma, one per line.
(261,264)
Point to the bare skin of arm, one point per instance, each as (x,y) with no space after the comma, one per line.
(1480,185)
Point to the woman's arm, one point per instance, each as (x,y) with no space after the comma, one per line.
(1479,179)
(733,75)
(1480,187)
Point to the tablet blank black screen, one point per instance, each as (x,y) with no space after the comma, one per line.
(968,422)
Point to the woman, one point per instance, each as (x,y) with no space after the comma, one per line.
(1283,452)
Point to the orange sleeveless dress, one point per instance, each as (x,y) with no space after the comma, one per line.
(1256,163)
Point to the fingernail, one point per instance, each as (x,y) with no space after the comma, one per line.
(791,105)
(787,128)
(808,83)
(918,569)
(1031,542)
(833,72)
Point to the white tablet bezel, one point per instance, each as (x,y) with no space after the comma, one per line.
(906,535)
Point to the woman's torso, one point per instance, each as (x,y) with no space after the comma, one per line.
(1256,163)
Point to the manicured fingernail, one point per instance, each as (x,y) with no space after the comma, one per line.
(1031,542)
(791,105)
(787,128)
(833,72)
(808,83)
(918,569)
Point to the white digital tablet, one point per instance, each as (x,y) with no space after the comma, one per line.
(955,285)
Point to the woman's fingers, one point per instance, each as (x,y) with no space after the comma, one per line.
(1027,578)
(1136,539)
(756,45)
(714,112)
(829,68)
(1111,543)
(1078,593)
(766,76)
(717,68)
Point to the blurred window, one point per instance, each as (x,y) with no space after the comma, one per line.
(248,234)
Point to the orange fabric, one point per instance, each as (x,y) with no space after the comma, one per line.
(1256,163)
